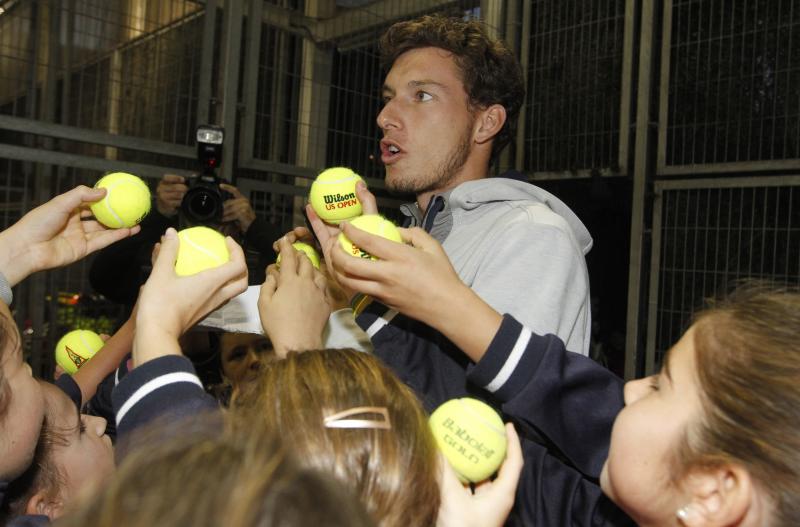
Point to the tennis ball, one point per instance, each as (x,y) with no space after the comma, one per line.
(471,436)
(304,248)
(77,347)
(200,248)
(127,200)
(333,195)
(375,224)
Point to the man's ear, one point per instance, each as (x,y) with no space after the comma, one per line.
(489,123)
(42,504)
(717,497)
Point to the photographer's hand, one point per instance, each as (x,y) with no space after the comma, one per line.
(169,194)
(237,209)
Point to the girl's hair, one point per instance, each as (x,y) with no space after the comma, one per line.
(213,475)
(390,462)
(748,367)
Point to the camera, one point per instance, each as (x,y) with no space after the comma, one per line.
(202,204)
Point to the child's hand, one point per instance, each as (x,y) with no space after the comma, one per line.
(55,234)
(292,303)
(492,501)
(169,304)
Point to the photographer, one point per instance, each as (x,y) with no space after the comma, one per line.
(119,270)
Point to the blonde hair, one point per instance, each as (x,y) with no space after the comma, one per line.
(747,351)
(204,478)
(394,471)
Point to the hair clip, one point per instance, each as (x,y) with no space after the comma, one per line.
(339,420)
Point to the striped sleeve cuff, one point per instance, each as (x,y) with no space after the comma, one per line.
(512,357)
(151,389)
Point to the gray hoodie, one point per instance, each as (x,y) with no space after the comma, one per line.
(519,248)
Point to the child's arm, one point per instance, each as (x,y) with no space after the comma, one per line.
(164,382)
(170,304)
(418,281)
(106,360)
(565,397)
(55,234)
(292,303)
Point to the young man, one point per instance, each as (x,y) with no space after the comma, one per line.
(451,100)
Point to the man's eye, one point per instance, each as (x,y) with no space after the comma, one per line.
(423,96)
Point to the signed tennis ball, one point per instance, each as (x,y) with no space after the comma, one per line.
(200,248)
(333,195)
(127,200)
(77,347)
(374,224)
(305,248)
(471,436)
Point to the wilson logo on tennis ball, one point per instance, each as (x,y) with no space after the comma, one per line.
(333,201)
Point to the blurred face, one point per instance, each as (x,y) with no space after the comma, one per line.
(645,434)
(426,122)
(242,356)
(86,456)
(21,404)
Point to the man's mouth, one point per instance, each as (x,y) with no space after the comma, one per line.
(390,152)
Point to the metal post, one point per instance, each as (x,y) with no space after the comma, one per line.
(641,170)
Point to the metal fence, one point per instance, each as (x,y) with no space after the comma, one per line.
(729,107)
(642,90)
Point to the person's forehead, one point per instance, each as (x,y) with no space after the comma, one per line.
(424,64)
(59,407)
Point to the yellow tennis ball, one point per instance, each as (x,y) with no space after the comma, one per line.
(471,436)
(374,224)
(77,347)
(127,200)
(333,195)
(305,248)
(200,248)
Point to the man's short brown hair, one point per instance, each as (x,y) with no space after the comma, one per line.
(490,72)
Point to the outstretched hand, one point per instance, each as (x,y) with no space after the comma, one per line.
(492,501)
(327,234)
(170,304)
(55,234)
(292,303)
(415,279)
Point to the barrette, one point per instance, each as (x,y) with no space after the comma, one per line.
(340,419)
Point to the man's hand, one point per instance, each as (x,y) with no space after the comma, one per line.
(292,303)
(327,234)
(492,501)
(170,304)
(237,209)
(55,234)
(169,194)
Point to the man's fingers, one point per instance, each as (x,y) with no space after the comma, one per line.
(320,228)
(173,178)
(232,190)
(375,245)
(367,199)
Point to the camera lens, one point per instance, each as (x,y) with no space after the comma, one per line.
(202,204)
